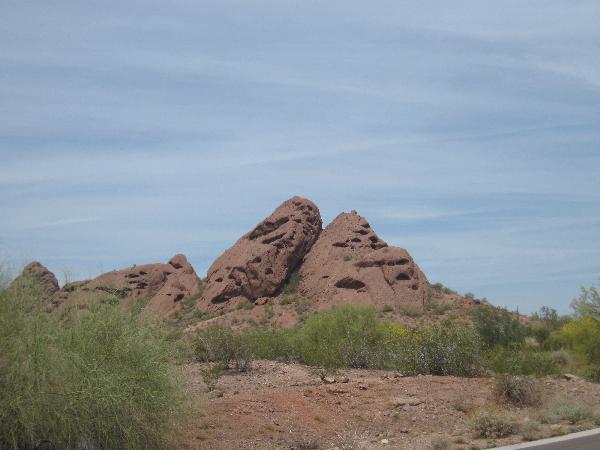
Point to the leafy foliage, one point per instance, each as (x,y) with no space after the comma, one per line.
(100,379)
(498,327)
(587,304)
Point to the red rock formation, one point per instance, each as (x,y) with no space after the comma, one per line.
(259,263)
(38,277)
(349,263)
(163,286)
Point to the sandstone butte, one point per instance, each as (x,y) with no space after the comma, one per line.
(344,263)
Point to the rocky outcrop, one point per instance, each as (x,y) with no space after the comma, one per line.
(260,262)
(349,263)
(179,285)
(162,286)
(37,277)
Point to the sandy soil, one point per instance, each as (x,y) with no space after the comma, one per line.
(288,406)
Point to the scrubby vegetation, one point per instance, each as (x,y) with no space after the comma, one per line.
(96,379)
(353,336)
(361,337)
(492,424)
(519,390)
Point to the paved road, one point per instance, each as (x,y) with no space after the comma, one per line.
(584,440)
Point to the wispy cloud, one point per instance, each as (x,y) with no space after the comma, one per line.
(466,132)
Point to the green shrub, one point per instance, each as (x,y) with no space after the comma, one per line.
(490,424)
(353,336)
(409,311)
(587,304)
(387,308)
(437,308)
(520,362)
(593,374)
(218,344)
(439,288)
(437,350)
(292,283)
(100,379)
(498,327)
(583,337)
(532,431)
(519,390)
(344,336)
(561,409)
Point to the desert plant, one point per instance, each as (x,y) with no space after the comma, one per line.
(491,424)
(587,304)
(438,350)
(532,430)
(100,379)
(562,409)
(593,374)
(218,344)
(344,336)
(520,362)
(291,284)
(211,374)
(583,337)
(439,288)
(498,327)
(441,444)
(410,311)
(519,390)
(387,308)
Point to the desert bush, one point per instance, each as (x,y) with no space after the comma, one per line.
(439,288)
(532,430)
(387,308)
(353,336)
(560,357)
(410,311)
(583,337)
(292,283)
(520,362)
(100,380)
(491,424)
(519,390)
(441,444)
(587,304)
(438,350)
(498,327)
(344,336)
(560,409)
(218,344)
(592,374)
(437,308)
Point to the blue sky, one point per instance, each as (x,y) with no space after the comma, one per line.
(466,132)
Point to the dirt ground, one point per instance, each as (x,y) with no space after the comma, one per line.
(288,406)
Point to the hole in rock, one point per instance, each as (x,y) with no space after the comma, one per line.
(349,283)
(340,244)
(402,276)
(179,297)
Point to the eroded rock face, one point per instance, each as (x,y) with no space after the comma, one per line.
(38,277)
(164,286)
(259,263)
(349,263)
